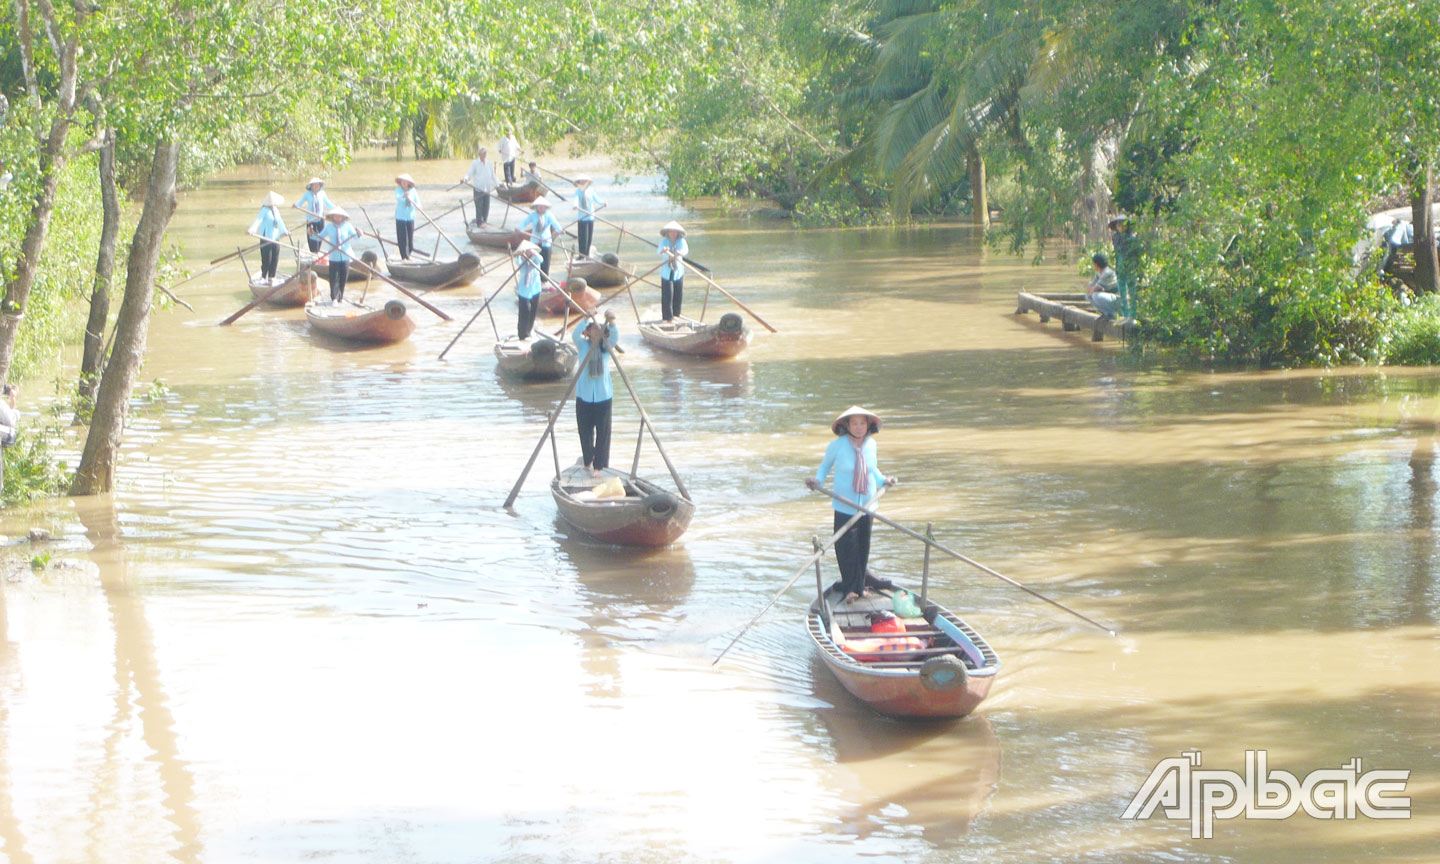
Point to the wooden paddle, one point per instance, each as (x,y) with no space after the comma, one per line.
(798,573)
(268,294)
(972,562)
(227,257)
(443,235)
(748,310)
(388,281)
(696,264)
(483,307)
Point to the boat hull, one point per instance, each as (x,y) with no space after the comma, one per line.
(686,336)
(438,274)
(518,193)
(299,289)
(356,274)
(495,238)
(602,274)
(901,692)
(355,323)
(653,517)
(518,358)
(552,303)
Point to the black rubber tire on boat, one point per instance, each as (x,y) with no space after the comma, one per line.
(576,285)
(661,505)
(369,257)
(394,309)
(544,349)
(610,258)
(943,673)
(731,323)
(469,261)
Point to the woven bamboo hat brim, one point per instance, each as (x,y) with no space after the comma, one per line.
(839,426)
(539,202)
(583,178)
(312,181)
(672,225)
(274,200)
(526,248)
(405,178)
(336,213)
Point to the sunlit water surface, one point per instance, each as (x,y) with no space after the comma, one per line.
(305,628)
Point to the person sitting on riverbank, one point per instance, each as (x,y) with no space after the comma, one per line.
(316,204)
(336,239)
(269,227)
(594,392)
(853,456)
(527,286)
(541,229)
(481,179)
(673,250)
(407,200)
(1401,235)
(1102,289)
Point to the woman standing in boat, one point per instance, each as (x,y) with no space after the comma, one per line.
(857,477)
(269,227)
(673,250)
(594,392)
(407,198)
(541,229)
(588,203)
(316,204)
(527,285)
(336,239)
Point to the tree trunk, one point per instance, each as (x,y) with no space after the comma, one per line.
(979,196)
(17,292)
(96,472)
(93,358)
(1427,267)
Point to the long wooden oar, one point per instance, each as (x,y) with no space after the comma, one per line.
(443,235)
(973,563)
(387,280)
(473,318)
(748,310)
(268,294)
(693,263)
(231,255)
(819,552)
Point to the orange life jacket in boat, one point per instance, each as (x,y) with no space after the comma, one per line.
(875,649)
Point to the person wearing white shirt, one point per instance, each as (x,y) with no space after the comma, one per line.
(509,152)
(481,178)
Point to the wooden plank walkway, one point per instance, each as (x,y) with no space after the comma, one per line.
(1075,313)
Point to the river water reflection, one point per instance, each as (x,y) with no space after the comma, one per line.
(305,628)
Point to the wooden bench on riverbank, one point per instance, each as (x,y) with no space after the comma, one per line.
(1074,312)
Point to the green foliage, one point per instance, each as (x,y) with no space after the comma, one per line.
(32,468)
(1412,335)
(40,561)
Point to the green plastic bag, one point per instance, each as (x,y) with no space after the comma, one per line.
(906,605)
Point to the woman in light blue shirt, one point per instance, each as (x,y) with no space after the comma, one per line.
(407,198)
(541,229)
(853,456)
(336,239)
(527,285)
(594,393)
(587,203)
(316,204)
(673,250)
(268,226)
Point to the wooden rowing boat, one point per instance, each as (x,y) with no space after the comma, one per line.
(536,359)
(607,271)
(299,291)
(496,238)
(519,193)
(948,677)
(358,323)
(553,303)
(356,274)
(646,516)
(686,336)
(438,274)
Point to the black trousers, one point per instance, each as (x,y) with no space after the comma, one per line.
(510,171)
(269,259)
(593,418)
(670,291)
(545,259)
(312,235)
(852,551)
(405,236)
(482,207)
(339,275)
(527,316)
(586,231)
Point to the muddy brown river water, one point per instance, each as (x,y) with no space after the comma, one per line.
(305,629)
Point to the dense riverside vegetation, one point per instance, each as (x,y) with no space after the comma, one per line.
(1249,139)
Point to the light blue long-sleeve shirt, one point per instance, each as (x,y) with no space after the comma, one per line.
(527,278)
(587,202)
(840,455)
(339,234)
(314,204)
(269,224)
(590,388)
(406,200)
(542,229)
(675,270)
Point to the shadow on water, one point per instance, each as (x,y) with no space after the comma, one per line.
(12,838)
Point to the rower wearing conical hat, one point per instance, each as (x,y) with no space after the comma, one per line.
(316,204)
(527,286)
(587,203)
(594,392)
(673,250)
(336,238)
(854,458)
(268,226)
(541,229)
(407,199)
